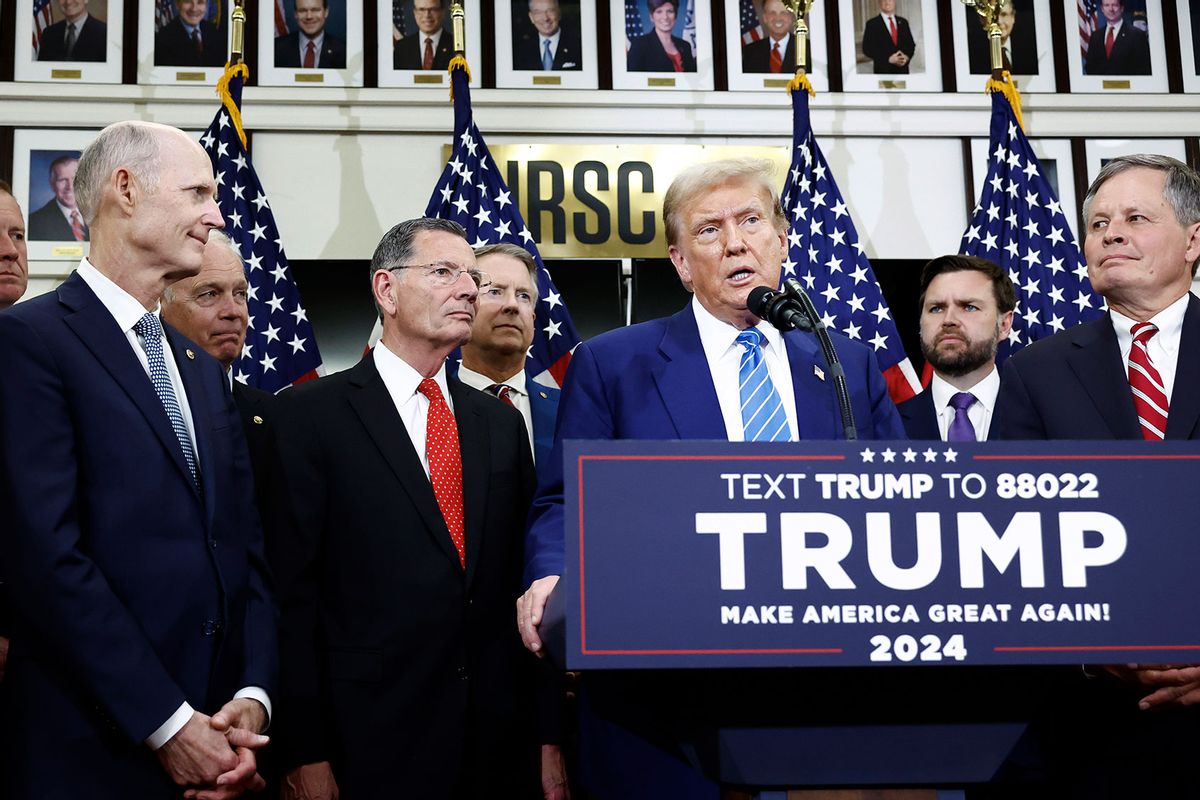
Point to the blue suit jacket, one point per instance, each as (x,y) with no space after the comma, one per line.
(1073,385)
(543,407)
(651,381)
(132,590)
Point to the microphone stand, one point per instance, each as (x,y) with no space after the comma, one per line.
(841,390)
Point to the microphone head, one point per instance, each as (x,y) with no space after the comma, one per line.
(758,300)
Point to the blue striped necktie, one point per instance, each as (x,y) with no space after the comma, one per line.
(763,417)
(150,329)
(547,57)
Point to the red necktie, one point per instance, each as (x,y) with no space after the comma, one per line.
(310,53)
(1108,43)
(776,58)
(895,35)
(445,464)
(428,62)
(1149,395)
(76,226)
(502,391)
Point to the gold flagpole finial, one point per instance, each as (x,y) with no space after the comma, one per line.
(1000,81)
(239,32)
(458,20)
(800,10)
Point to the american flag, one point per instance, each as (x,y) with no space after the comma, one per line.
(825,256)
(281,26)
(1020,225)
(472,193)
(41,21)
(164,12)
(280,348)
(1089,21)
(689,26)
(398,17)
(748,24)
(633,21)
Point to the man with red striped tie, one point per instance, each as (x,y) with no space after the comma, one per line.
(1133,374)
(887,41)
(59,219)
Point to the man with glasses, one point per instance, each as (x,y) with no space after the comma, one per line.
(547,44)
(396,537)
(431,47)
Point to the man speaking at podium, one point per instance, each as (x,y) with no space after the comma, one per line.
(681,377)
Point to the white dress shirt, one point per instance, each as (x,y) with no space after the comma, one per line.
(317,44)
(434,40)
(401,382)
(981,411)
(553,40)
(783,43)
(517,392)
(1163,347)
(126,310)
(724,355)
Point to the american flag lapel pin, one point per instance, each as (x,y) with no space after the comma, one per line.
(818,372)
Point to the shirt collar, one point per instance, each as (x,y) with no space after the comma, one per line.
(317,41)
(190,28)
(79,23)
(1169,322)
(717,336)
(553,40)
(401,379)
(985,391)
(125,309)
(477,380)
(783,43)
(436,36)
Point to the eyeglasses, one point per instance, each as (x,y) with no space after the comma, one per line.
(445,274)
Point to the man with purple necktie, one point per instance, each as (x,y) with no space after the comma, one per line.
(966,309)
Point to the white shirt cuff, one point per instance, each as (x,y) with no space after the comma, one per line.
(259,694)
(172,726)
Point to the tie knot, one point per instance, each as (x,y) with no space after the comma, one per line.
(962,401)
(1143,331)
(148,327)
(499,389)
(430,389)
(751,338)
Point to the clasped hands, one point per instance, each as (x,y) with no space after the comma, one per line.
(214,756)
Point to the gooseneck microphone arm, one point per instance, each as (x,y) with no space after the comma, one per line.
(792,309)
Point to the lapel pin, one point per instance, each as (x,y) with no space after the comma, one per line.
(257,419)
(543,395)
(818,372)
(191,356)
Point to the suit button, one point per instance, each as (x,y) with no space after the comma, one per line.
(213,542)
(462,673)
(211,627)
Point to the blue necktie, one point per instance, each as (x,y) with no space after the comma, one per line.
(150,329)
(547,58)
(763,417)
(961,429)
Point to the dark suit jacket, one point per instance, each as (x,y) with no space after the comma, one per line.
(1130,53)
(646,54)
(332,55)
(132,590)
(756,56)
(920,419)
(398,665)
(254,407)
(652,381)
(173,47)
(877,44)
(1022,42)
(91,42)
(47,224)
(409,52)
(527,52)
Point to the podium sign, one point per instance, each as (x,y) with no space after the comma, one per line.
(718,554)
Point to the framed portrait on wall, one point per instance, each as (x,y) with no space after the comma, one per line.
(890,45)
(1058,165)
(310,42)
(1027,46)
(546,43)
(1189,44)
(661,44)
(761,47)
(183,41)
(44,164)
(416,42)
(1118,46)
(69,41)
(1101,151)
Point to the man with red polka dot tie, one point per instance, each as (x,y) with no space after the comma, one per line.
(396,535)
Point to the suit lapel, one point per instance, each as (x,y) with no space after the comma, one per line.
(98,331)
(685,383)
(474,447)
(817,415)
(1185,397)
(375,409)
(197,397)
(1096,362)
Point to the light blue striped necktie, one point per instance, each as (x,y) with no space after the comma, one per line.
(763,417)
(547,56)
(150,329)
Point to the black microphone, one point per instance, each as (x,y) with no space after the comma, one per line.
(778,308)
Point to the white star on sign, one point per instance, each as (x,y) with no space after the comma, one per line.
(868,455)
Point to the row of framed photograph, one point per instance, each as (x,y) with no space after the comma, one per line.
(45,160)
(884,45)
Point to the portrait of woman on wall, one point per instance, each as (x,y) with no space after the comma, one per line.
(660,50)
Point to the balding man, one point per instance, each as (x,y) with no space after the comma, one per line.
(132,552)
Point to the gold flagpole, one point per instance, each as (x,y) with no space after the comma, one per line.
(1000,81)
(800,10)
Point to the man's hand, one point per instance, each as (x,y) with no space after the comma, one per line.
(310,782)
(529,611)
(198,754)
(898,58)
(1174,684)
(554,774)
(239,721)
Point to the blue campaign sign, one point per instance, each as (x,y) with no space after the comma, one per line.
(697,554)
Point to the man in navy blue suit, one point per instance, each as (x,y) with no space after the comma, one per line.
(678,377)
(1117,378)
(144,642)
(966,310)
